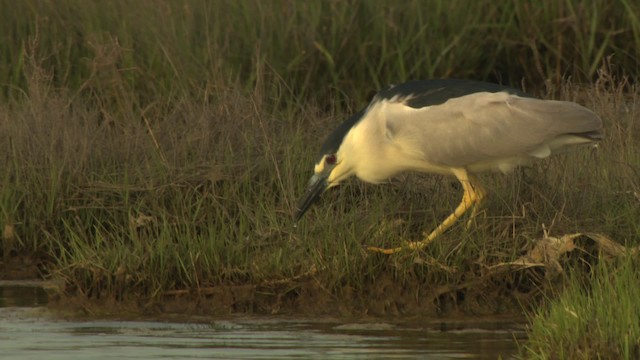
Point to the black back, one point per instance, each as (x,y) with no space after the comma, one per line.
(421,93)
(417,94)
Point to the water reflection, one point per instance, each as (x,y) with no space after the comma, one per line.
(31,333)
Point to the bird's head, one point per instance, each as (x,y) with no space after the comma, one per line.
(332,166)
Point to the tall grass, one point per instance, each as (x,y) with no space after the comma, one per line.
(337,50)
(584,322)
(154,147)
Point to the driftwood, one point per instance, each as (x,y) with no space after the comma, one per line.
(549,250)
(548,254)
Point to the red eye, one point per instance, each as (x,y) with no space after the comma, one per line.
(330,159)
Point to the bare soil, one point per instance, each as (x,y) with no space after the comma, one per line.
(19,267)
(307,297)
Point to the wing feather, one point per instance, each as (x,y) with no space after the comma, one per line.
(485,127)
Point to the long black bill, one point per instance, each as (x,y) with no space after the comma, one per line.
(316,186)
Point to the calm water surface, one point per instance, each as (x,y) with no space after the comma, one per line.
(29,331)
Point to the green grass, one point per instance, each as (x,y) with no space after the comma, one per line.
(593,319)
(328,51)
(155,148)
(198,192)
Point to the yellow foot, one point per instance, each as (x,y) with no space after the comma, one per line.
(471,198)
(383,250)
(412,245)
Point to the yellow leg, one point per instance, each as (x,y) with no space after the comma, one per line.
(480,192)
(471,198)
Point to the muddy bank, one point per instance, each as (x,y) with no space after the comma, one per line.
(20,266)
(500,289)
(308,297)
(478,294)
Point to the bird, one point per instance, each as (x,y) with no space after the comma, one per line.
(454,127)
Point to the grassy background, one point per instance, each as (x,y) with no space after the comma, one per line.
(153,147)
(323,50)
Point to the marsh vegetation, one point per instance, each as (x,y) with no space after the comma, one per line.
(152,154)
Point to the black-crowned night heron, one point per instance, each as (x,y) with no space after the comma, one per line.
(451,127)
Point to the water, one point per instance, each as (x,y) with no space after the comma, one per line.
(29,331)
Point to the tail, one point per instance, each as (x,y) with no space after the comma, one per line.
(594,135)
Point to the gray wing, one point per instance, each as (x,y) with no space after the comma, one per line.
(485,127)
